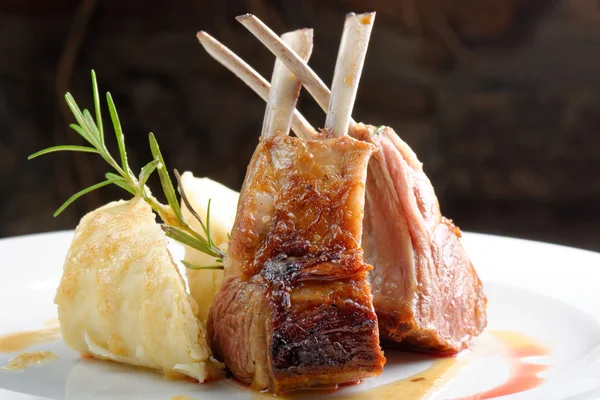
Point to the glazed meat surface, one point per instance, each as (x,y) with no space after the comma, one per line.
(426,292)
(295,311)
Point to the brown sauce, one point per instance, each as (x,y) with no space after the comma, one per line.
(516,348)
(413,387)
(25,360)
(417,386)
(14,342)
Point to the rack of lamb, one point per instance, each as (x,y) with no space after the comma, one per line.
(294,310)
(426,293)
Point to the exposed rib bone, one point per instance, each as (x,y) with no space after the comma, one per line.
(309,78)
(250,77)
(285,87)
(348,68)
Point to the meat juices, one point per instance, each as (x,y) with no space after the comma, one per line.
(426,292)
(295,309)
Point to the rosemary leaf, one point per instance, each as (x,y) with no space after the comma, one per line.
(207,230)
(186,200)
(113,176)
(118,133)
(165,180)
(199,244)
(120,182)
(97,106)
(147,170)
(82,133)
(379,130)
(95,135)
(79,194)
(53,149)
(90,122)
(192,266)
(80,119)
(125,186)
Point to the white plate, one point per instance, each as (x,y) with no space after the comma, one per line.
(548,292)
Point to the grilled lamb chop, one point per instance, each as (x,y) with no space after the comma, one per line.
(295,310)
(426,292)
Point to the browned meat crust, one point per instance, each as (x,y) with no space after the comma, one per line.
(294,311)
(426,292)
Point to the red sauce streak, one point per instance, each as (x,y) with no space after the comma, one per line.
(523,375)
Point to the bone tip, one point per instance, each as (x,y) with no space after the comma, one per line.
(306,32)
(365,18)
(244,17)
(310,33)
(206,40)
(202,36)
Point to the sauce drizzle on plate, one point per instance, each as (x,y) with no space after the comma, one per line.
(516,349)
(13,342)
(25,360)
(417,386)
(524,375)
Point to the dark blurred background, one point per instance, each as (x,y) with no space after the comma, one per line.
(499,98)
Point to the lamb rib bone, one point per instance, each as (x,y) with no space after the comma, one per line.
(285,87)
(357,30)
(348,68)
(311,81)
(281,50)
(250,77)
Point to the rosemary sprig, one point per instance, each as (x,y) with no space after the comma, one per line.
(92,131)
